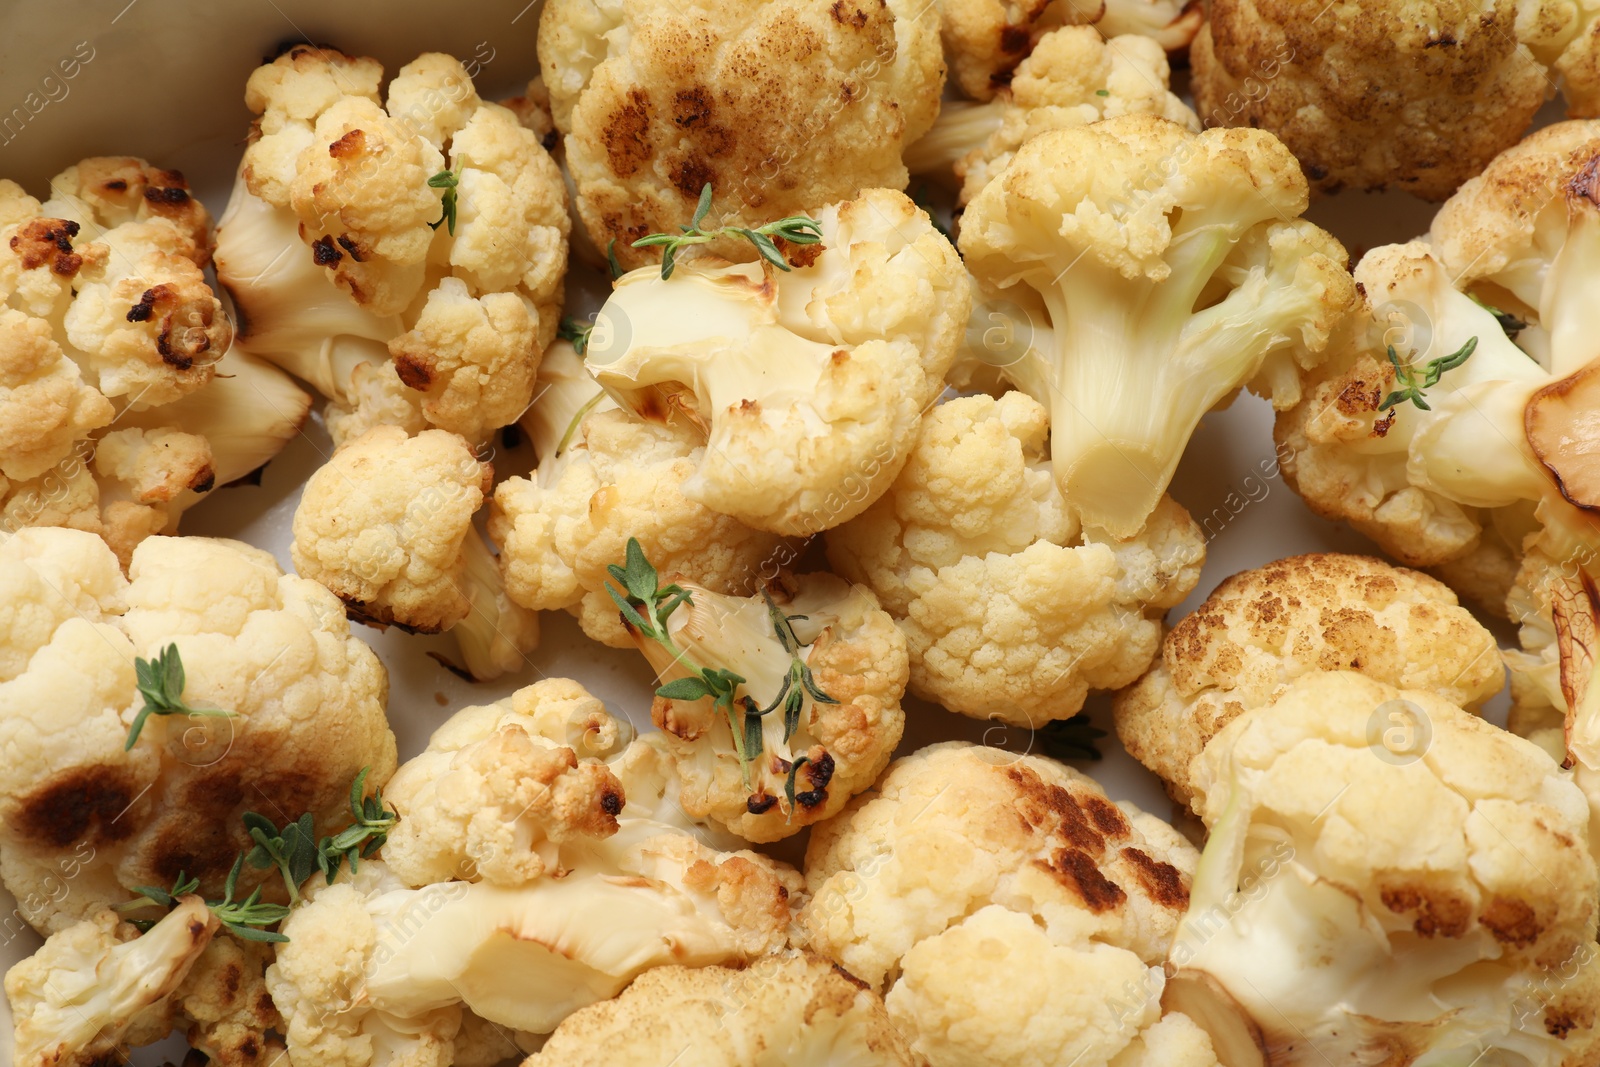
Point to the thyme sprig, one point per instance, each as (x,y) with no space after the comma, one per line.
(246,919)
(1413,381)
(576,332)
(796,229)
(449,181)
(1071,739)
(799,682)
(161,681)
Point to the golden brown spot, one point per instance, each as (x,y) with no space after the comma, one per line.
(627,135)
(83,803)
(49,241)
(1436,915)
(115,185)
(800,256)
(413,372)
(691,107)
(846,14)
(349,244)
(204,480)
(691,175)
(1079,874)
(1107,816)
(1512,922)
(1013,39)
(323,253)
(349,146)
(1162,882)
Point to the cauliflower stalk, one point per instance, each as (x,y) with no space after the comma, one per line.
(969,867)
(805,384)
(605,476)
(1430,901)
(405,259)
(783,1010)
(780,106)
(513,855)
(307,700)
(94,986)
(113,415)
(1170,278)
(1010,609)
(386,525)
(777,708)
(1263,629)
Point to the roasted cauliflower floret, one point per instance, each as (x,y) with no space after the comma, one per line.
(361,980)
(806,385)
(500,788)
(811,674)
(405,258)
(1427,887)
(110,342)
(781,1011)
(779,106)
(969,867)
(605,476)
(386,525)
(1073,76)
(307,701)
(1413,95)
(1169,277)
(1009,608)
(80,997)
(985,39)
(1261,630)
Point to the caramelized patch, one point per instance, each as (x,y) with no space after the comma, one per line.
(349,146)
(413,372)
(1078,873)
(1013,39)
(349,244)
(204,480)
(1586,183)
(627,135)
(323,253)
(1108,818)
(691,107)
(846,14)
(692,175)
(610,803)
(48,241)
(1162,882)
(1052,810)
(83,803)
(1511,922)
(800,256)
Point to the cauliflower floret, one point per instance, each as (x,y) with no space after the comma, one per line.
(813,712)
(382,525)
(493,799)
(1009,611)
(779,106)
(806,385)
(1073,76)
(425,240)
(75,1001)
(1263,629)
(1414,95)
(1172,272)
(106,319)
(605,477)
(781,1011)
(969,867)
(985,39)
(224,1007)
(1418,894)
(307,697)
(375,972)
(386,525)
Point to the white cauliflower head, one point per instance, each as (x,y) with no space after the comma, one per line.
(307,700)
(778,106)
(777,708)
(1261,630)
(1388,878)
(806,385)
(405,259)
(110,346)
(1169,276)
(605,476)
(1010,609)
(791,1010)
(985,39)
(586,883)
(96,986)
(969,868)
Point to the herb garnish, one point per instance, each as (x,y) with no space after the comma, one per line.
(161,681)
(448,180)
(1412,383)
(796,229)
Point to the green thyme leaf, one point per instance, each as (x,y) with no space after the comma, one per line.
(161,682)
(796,229)
(1071,739)
(576,332)
(448,181)
(1413,383)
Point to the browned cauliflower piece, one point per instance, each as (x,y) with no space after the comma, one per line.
(1411,94)
(779,105)
(1262,629)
